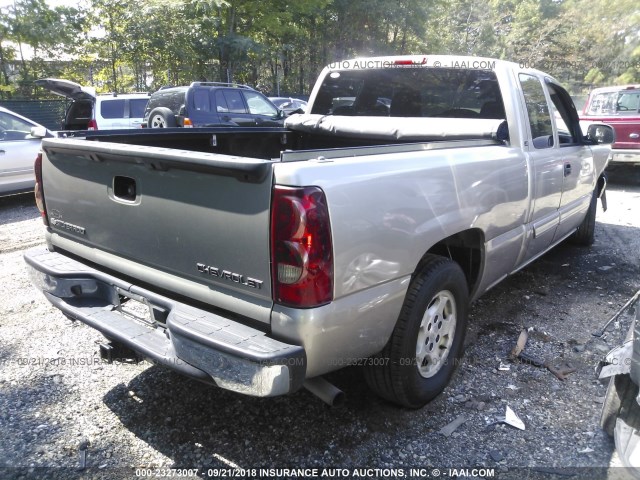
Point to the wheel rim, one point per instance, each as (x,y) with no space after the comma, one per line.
(157,121)
(435,337)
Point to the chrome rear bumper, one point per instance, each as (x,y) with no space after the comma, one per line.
(194,342)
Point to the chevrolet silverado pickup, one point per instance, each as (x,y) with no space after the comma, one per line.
(260,259)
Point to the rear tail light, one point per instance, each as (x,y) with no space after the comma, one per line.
(93,125)
(39,192)
(301,248)
(187,123)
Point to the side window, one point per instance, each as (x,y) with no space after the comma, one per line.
(258,105)
(628,102)
(234,101)
(112,108)
(221,102)
(538,111)
(201,100)
(136,107)
(13,128)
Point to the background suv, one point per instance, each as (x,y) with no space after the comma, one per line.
(89,111)
(204,104)
(619,107)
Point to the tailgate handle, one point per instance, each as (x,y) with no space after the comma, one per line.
(124,188)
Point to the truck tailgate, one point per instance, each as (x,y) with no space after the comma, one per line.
(202,218)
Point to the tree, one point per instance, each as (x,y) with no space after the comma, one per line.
(42,35)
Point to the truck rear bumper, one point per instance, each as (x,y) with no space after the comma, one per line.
(194,342)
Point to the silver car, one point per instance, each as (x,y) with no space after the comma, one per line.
(289,105)
(19,146)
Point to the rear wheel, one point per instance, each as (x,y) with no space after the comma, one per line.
(585,234)
(162,118)
(427,342)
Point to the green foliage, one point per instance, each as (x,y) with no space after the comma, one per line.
(280,46)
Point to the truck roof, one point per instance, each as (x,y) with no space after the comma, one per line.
(615,88)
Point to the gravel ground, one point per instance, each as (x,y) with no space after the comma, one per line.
(57,397)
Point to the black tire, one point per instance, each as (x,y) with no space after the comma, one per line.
(398,374)
(161,117)
(585,234)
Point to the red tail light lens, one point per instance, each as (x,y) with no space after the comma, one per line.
(93,125)
(301,248)
(39,192)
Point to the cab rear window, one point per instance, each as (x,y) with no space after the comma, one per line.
(411,92)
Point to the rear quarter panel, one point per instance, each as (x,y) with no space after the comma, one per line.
(387,210)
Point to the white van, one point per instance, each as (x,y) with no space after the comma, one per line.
(89,111)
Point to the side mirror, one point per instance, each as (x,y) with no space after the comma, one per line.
(601,134)
(545,141)
(281,114)
(39,132)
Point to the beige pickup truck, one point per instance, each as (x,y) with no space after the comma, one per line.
(262,259)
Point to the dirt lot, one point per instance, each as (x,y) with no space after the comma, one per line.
(56,396)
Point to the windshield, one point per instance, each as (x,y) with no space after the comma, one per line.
(411,92)
(615,103)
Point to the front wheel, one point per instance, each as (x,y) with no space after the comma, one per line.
(427,342)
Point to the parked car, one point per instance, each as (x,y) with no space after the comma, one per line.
(620,416)
(206,104)
(289,105)
(89,111)
(620,108)
(19,146)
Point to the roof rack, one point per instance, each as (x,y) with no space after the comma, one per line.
(221,84)
(115,94)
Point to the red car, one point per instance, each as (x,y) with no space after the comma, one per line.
(619,107)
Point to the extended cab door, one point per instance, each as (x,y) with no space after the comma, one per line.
(577,161)
(546,168)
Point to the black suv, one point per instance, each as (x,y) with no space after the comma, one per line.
(205,104)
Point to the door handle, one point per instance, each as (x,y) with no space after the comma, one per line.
(567,169)
(634,135)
